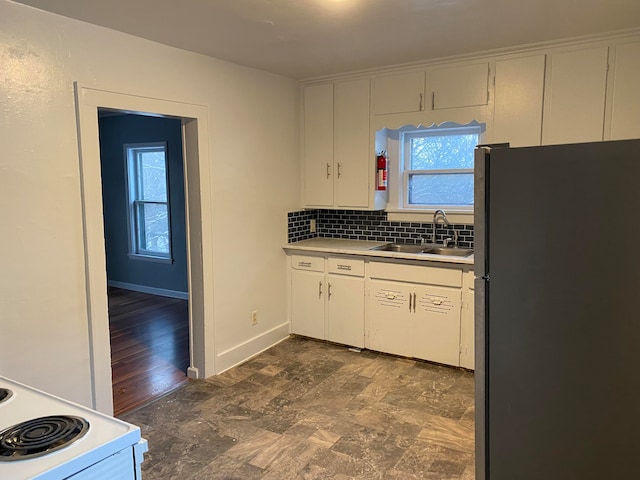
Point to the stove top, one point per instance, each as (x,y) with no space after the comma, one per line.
(80,436)
(40,436)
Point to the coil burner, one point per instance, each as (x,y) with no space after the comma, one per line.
(40,436)
(5,394)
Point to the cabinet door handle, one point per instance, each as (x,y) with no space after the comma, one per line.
(410,299)
(420,106)
(328,167)
(433,100)
(319,289)
(329,291)
(304,264)
(339,170)
(414,303)
(344,267)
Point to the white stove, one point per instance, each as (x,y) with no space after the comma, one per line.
(44,437)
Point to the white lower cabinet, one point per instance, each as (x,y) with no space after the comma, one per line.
(467,323)
(420,321)
(327,298)
(307,303)
(345,310)
(400,308)
(390,318)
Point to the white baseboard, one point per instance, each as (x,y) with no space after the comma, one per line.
(163,292)
(243,352)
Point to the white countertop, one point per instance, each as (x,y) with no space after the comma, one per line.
(363,247)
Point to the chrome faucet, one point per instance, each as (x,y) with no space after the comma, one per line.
(437,215)
(454,239)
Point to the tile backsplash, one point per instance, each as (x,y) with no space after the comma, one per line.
(369,225)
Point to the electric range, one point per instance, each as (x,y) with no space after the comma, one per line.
(44,437)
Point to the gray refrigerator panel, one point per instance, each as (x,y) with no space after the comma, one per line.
(479,268)
(562,326)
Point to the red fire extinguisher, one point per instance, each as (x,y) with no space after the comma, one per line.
(381,171)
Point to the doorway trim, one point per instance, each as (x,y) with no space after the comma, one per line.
(195,132)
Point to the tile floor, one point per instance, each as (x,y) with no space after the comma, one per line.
(306,409)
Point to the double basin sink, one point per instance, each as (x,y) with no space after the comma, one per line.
(430,249)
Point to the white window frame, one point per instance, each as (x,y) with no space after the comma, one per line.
(406,173)
(136,252)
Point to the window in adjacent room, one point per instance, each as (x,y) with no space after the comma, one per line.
(148,201)
(437,167)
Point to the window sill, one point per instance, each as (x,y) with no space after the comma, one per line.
(149,258)
(426,216)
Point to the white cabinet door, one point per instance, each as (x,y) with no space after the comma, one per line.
(467,329)
(390,328)
(345,310)
(398,93)
(519,88)
(352,158)
(625,105)
(436,324)
(575,96)
(307,303)
(417,321)
(463,86)
(318,145)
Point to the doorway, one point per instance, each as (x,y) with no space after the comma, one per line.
(195,134)
(146,255)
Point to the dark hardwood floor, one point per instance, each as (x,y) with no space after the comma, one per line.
(149,346)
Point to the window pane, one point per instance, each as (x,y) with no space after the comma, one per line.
(154,227)
(153,178)
(442,152)
(448,189)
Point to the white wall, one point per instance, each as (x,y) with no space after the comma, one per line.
(254,177)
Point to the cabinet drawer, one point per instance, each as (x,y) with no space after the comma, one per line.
(450,277)
(346,266)
(307,262)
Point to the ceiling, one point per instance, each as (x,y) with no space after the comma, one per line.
(309,38)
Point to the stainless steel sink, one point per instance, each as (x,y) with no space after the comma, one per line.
(430,249)
(401,247)
(454,251)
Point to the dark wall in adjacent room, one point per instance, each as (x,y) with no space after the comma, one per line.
(115,132)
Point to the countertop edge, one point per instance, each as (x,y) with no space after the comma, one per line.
(366,251)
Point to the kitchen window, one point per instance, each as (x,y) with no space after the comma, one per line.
(437,168)
(148,202)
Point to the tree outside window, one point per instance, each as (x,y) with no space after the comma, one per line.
(149,224)
(438,167)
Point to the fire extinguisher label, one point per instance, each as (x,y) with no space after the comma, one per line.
(381,164)
(382,179)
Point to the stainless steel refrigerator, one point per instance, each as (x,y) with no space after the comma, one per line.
(557,242)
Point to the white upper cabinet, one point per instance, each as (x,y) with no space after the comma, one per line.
(625,104)
(460,86)
(318,145)
(337,149)
(352,155)
(575,96)
(519,89)
(398,93)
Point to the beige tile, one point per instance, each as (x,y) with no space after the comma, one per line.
(271,370)
(246,450)
(448,433)
(283,448)
(324,438)
(231,377)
